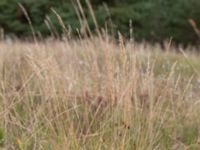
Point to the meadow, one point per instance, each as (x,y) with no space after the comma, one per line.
(98,94)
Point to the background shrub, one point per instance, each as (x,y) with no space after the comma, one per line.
(153,20)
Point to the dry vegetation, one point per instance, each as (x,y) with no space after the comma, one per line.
(96,94)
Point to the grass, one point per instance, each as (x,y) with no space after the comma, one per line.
(96,94)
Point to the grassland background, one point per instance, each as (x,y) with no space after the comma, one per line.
(98,94)
(99,90)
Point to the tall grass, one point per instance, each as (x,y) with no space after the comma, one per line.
(96,94)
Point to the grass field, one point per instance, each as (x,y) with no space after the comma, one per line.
(97,94)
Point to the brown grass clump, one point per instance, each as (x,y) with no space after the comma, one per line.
(95,94)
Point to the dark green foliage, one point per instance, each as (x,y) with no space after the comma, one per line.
(157,20)
(153,20)
(1,138)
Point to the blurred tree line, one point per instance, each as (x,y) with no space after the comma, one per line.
(152,20)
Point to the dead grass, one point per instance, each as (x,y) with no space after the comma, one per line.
(95,94)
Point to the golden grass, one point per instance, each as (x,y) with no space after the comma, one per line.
(96,94)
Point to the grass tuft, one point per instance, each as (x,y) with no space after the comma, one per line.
(96,94)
